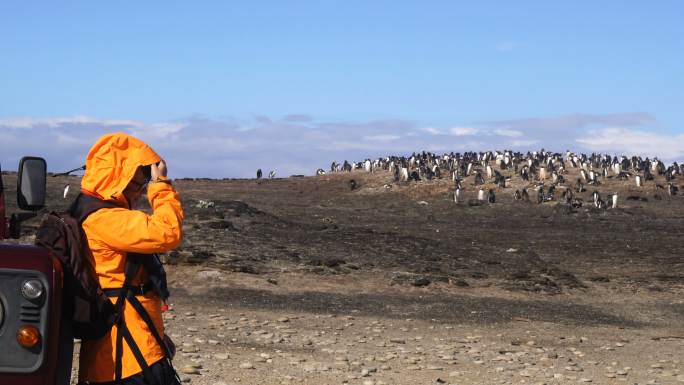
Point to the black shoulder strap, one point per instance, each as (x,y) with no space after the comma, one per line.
(133,264)
(85,205)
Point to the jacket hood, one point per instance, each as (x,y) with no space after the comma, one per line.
(111,164)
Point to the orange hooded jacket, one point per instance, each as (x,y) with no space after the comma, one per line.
(112,233)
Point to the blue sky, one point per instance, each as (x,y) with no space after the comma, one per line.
(293,85)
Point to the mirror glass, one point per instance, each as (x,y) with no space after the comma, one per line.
(31,183)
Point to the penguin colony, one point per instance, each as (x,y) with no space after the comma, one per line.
(543,173)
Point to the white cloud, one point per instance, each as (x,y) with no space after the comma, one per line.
(431,130)
(382,137)
(463,131)
(230,147)
(508,132)
(634,142)
(523,143)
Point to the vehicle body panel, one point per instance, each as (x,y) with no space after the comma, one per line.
(18,365)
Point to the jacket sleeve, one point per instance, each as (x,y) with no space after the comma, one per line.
(135,231)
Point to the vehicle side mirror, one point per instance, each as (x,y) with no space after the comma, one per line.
(31,183)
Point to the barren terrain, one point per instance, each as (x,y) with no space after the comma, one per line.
(302,280)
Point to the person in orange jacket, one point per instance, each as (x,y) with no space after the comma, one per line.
(115,173)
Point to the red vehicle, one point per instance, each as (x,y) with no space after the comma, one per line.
(30,293)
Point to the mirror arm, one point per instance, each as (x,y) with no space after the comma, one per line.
(15,223)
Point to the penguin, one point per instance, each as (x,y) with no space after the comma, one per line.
(600,204)
(647,174)
(638,180)
(491,198)
(271,174)
(583,173)
(524,195)
(614,200)
(579,186)
(320,171)
(352,184)
(671,189)
(457,194)
(404,174)
(568,195)
(414,176)
(542,173)
(540,194)
(517,196)
(502,181)
(481,195)
(259,174)
(596,197)
(66,191)
(550,195)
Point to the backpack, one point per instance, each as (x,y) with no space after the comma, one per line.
(85,303)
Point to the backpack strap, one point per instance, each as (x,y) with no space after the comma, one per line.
(130,270)
(127,293)
(134,258)
(84,205)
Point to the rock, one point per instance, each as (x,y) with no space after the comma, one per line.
(421,281)
(202,204)
(246,365)
(221,356)
(191,369)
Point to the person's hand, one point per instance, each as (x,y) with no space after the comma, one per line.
(158,170)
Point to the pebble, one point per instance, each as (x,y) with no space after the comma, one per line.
(246,365)
(191,369)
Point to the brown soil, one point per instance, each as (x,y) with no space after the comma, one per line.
(398,278)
